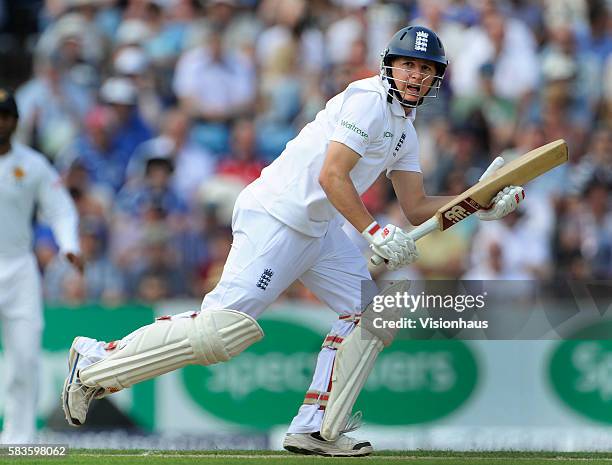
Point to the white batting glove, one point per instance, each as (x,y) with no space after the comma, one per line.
(505,201)
(392,244)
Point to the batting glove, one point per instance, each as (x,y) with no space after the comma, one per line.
(505,201)
(392,244)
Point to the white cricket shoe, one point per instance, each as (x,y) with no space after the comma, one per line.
(314,444)
(76,397)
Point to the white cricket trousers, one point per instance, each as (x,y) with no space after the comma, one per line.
(266,257)
(22,322)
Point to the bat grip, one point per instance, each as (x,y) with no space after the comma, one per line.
(425,228)
(420,231)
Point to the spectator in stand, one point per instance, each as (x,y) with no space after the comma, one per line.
(214,86)
(492,266)
(373,21)
(531,14)
(132,63)
(96,151)
(503,42)
(168,41)
(356,67)
(289,27)
(167,25)
(585,233)
(91,202)
(51,107)
(239,26)
(525,254)
(599,40)
(596,163)
(121,95)
(154,274)
(281,91)
(242,162)
(571,74)
(555,106)
(551,185)
(101,281)
(153,188)
(148,199)
(500,113)
(468,154)
(546,191)
(193,164)
(76,38)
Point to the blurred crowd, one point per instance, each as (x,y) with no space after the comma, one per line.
(158,112)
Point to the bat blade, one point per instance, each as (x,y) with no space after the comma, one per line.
(518,172)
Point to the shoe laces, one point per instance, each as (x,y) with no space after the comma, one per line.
(353,422)
(90,391)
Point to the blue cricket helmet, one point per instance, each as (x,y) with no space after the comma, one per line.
(414,42)
(417,42)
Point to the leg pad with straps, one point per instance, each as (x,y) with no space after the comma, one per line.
(354,361)
(205,338)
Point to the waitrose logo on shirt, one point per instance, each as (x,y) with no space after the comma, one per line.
(354,128)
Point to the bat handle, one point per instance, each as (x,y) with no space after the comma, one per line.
(420,231)
(425,228)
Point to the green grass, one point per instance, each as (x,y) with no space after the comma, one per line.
(128,457)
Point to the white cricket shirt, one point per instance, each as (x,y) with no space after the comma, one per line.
(360,118)
(28,180)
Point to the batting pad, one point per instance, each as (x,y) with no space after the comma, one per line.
(207,338)
(353,363)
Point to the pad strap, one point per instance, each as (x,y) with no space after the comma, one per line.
(316,398)
(332,341)
(354,317)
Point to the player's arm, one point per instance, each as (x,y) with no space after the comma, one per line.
(337,184)
(410,192)
(390,242)
(58,209)
(419,207)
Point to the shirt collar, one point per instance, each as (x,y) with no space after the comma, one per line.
(398,110)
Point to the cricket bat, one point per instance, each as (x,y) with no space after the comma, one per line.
(518,172)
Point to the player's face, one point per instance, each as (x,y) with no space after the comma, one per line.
(8,124)
(413,77)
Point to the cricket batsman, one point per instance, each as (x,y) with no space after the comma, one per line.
(287,226)
(28,183)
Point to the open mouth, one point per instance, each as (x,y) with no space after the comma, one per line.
(412,89)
